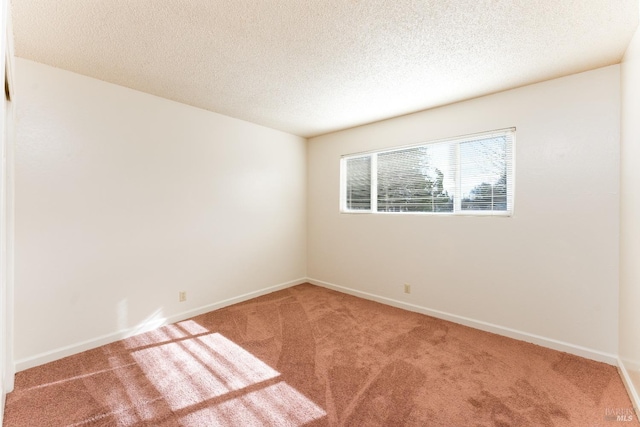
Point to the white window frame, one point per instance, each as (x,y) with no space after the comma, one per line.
(457,199)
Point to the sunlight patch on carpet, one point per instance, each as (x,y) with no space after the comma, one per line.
(157,336)
(190,371)
(277,405)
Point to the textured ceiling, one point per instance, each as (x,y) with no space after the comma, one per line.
(311,67)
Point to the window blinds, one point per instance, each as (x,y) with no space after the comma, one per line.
(358,190)
(468,175)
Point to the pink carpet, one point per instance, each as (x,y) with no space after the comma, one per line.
(310,356)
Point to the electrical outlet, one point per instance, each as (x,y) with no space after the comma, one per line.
(182,296)
(407,289)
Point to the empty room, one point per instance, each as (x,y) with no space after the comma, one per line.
(320,213)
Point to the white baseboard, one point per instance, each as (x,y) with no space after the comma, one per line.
(631,389)
(588,353)
(59,353)
(69,350)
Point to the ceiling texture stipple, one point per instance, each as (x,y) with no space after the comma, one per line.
(313,67)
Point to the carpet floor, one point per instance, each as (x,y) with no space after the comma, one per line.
(314,357)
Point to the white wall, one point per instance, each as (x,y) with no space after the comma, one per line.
(124,199)
(6,213)
(630,220)
(549,274)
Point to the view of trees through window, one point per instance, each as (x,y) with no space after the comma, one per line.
(483,174)
(430,177)
(409,181)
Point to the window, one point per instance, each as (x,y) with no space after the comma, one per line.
(466,175)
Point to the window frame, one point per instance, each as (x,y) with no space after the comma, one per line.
(510,133)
